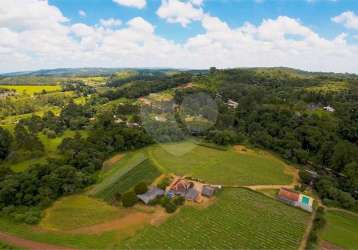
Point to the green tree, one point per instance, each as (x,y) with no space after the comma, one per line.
(5,143)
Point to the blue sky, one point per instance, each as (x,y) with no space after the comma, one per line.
(315,35)
(315,14)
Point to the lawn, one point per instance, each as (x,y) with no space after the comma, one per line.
(224,167)
(32,89)
(341,229)
(239,219)
(132,169)
(78,211)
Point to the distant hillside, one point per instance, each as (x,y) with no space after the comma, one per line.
(62,72)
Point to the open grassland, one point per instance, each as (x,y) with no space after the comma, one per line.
(51,145)
(78,211)
(128,172)
(32,89)
(239,219)
(222,167)
(341,229)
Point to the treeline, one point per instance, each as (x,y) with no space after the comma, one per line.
(140,88)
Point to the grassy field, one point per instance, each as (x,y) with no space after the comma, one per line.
(78,211)
(50,150)
(240,219)
(219,166)
(32,89)
(341,229)
(132,169)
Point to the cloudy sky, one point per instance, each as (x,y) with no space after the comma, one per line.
(315,35)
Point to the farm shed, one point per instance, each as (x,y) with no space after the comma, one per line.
(289,196)
(295,199)
(151,194)
(192,194)
(208,191)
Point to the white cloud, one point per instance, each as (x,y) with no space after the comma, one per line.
(140,4)
(82,13)
(111,22)
(348,19)
(197,2)
(45,39)
(177,11)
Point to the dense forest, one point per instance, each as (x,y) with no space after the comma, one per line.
(281,110)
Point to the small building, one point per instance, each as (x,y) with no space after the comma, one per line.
(192,194)
(288,196)
(151,194)
(329,109)
(179,186)
(208,191)
(232,104)
(295,199)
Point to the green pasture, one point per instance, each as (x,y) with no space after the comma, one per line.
(51,145)
(78,211)
(341,229)
(239,219)
(224,167)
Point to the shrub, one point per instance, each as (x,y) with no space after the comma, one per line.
(129,199)
(164,201)
(140,188)
(164,183)
(118,196)
(179,200)
(170,207)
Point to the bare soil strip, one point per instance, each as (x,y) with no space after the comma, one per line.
(29,244)
(108,164)
(325,245)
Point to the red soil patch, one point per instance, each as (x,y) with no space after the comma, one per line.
(110,162)
(28,244)
(325,245)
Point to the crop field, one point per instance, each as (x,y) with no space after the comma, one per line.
(219,166)
(133,168)
(32,89)
(78,211)
(341,229)
(239,219)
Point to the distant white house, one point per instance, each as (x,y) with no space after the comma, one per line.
(232,104)
(329,109)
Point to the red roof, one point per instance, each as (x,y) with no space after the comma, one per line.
(179,185)
(289,194)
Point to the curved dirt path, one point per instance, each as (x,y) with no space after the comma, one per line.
(29,244)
